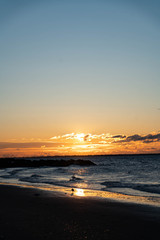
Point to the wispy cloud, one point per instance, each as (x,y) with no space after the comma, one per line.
(107,138)
(84,143)
(82,137)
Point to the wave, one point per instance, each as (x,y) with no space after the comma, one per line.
(150,188)
(74,178)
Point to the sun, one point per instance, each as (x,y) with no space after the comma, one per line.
(80,136)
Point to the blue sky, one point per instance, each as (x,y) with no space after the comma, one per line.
(79,66)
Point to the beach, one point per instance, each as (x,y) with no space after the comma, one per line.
(29,213)
(80,120)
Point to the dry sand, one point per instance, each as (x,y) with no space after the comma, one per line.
(35,214)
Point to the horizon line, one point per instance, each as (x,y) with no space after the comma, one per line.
(124,154)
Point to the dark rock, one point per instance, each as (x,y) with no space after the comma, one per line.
(27,162)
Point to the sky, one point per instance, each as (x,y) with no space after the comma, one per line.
(79,68)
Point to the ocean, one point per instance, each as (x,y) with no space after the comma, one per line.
(128,176)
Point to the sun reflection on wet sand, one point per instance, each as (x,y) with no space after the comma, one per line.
(87,193)
(79,192)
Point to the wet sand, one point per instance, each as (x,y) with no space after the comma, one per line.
(36,214)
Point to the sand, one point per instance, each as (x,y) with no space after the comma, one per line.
(36,214)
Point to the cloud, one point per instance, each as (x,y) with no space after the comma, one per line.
(4,145)
(146,139)
(108,138)
(82,144)
(65,136)
(86,137)
(82,137)
(119,136)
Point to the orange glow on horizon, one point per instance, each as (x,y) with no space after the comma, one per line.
(83,144)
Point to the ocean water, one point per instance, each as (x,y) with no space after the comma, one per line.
(129,175)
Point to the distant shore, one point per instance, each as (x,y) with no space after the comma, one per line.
(36,214)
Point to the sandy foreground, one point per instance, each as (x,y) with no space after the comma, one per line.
(36,214)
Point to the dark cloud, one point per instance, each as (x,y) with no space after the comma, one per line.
(119,136)
(86,137)
(146,139)
(4,145)
(135,137)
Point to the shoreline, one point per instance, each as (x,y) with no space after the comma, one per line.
(29,213)
(62,191)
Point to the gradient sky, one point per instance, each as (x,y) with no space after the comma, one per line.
(79,67)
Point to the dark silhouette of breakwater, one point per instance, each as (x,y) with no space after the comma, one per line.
(23,162)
